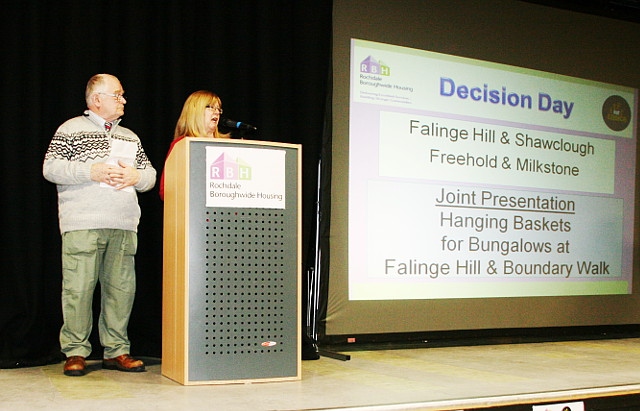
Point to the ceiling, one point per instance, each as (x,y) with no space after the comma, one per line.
(628,10)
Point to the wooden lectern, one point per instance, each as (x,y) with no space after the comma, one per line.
(232,265)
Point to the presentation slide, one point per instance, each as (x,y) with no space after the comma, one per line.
(472,179)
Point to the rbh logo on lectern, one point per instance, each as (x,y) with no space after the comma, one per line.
(245,177)
(225,168)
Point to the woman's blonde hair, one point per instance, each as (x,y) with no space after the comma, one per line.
(190,121)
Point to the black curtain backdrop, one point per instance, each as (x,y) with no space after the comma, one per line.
(268,60)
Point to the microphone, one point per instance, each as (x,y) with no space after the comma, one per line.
(238,124)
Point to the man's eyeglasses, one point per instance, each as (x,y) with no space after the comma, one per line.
(119,97)
(215,109)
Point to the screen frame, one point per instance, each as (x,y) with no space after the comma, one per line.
(457,28)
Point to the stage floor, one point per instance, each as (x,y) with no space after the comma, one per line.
(447,378)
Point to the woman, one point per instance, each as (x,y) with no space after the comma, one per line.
(199,118)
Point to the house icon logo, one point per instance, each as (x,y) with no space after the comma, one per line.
(227,168)
(372,66)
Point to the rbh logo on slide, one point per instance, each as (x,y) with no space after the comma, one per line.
(225,168)
(373,66)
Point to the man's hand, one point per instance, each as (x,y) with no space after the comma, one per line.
(119,177)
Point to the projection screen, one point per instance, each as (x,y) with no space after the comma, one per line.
(483,168)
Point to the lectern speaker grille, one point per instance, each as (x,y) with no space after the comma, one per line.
(244,288)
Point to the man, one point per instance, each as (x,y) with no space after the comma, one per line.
(98,166)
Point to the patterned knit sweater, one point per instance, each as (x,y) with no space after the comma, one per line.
(84,204)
